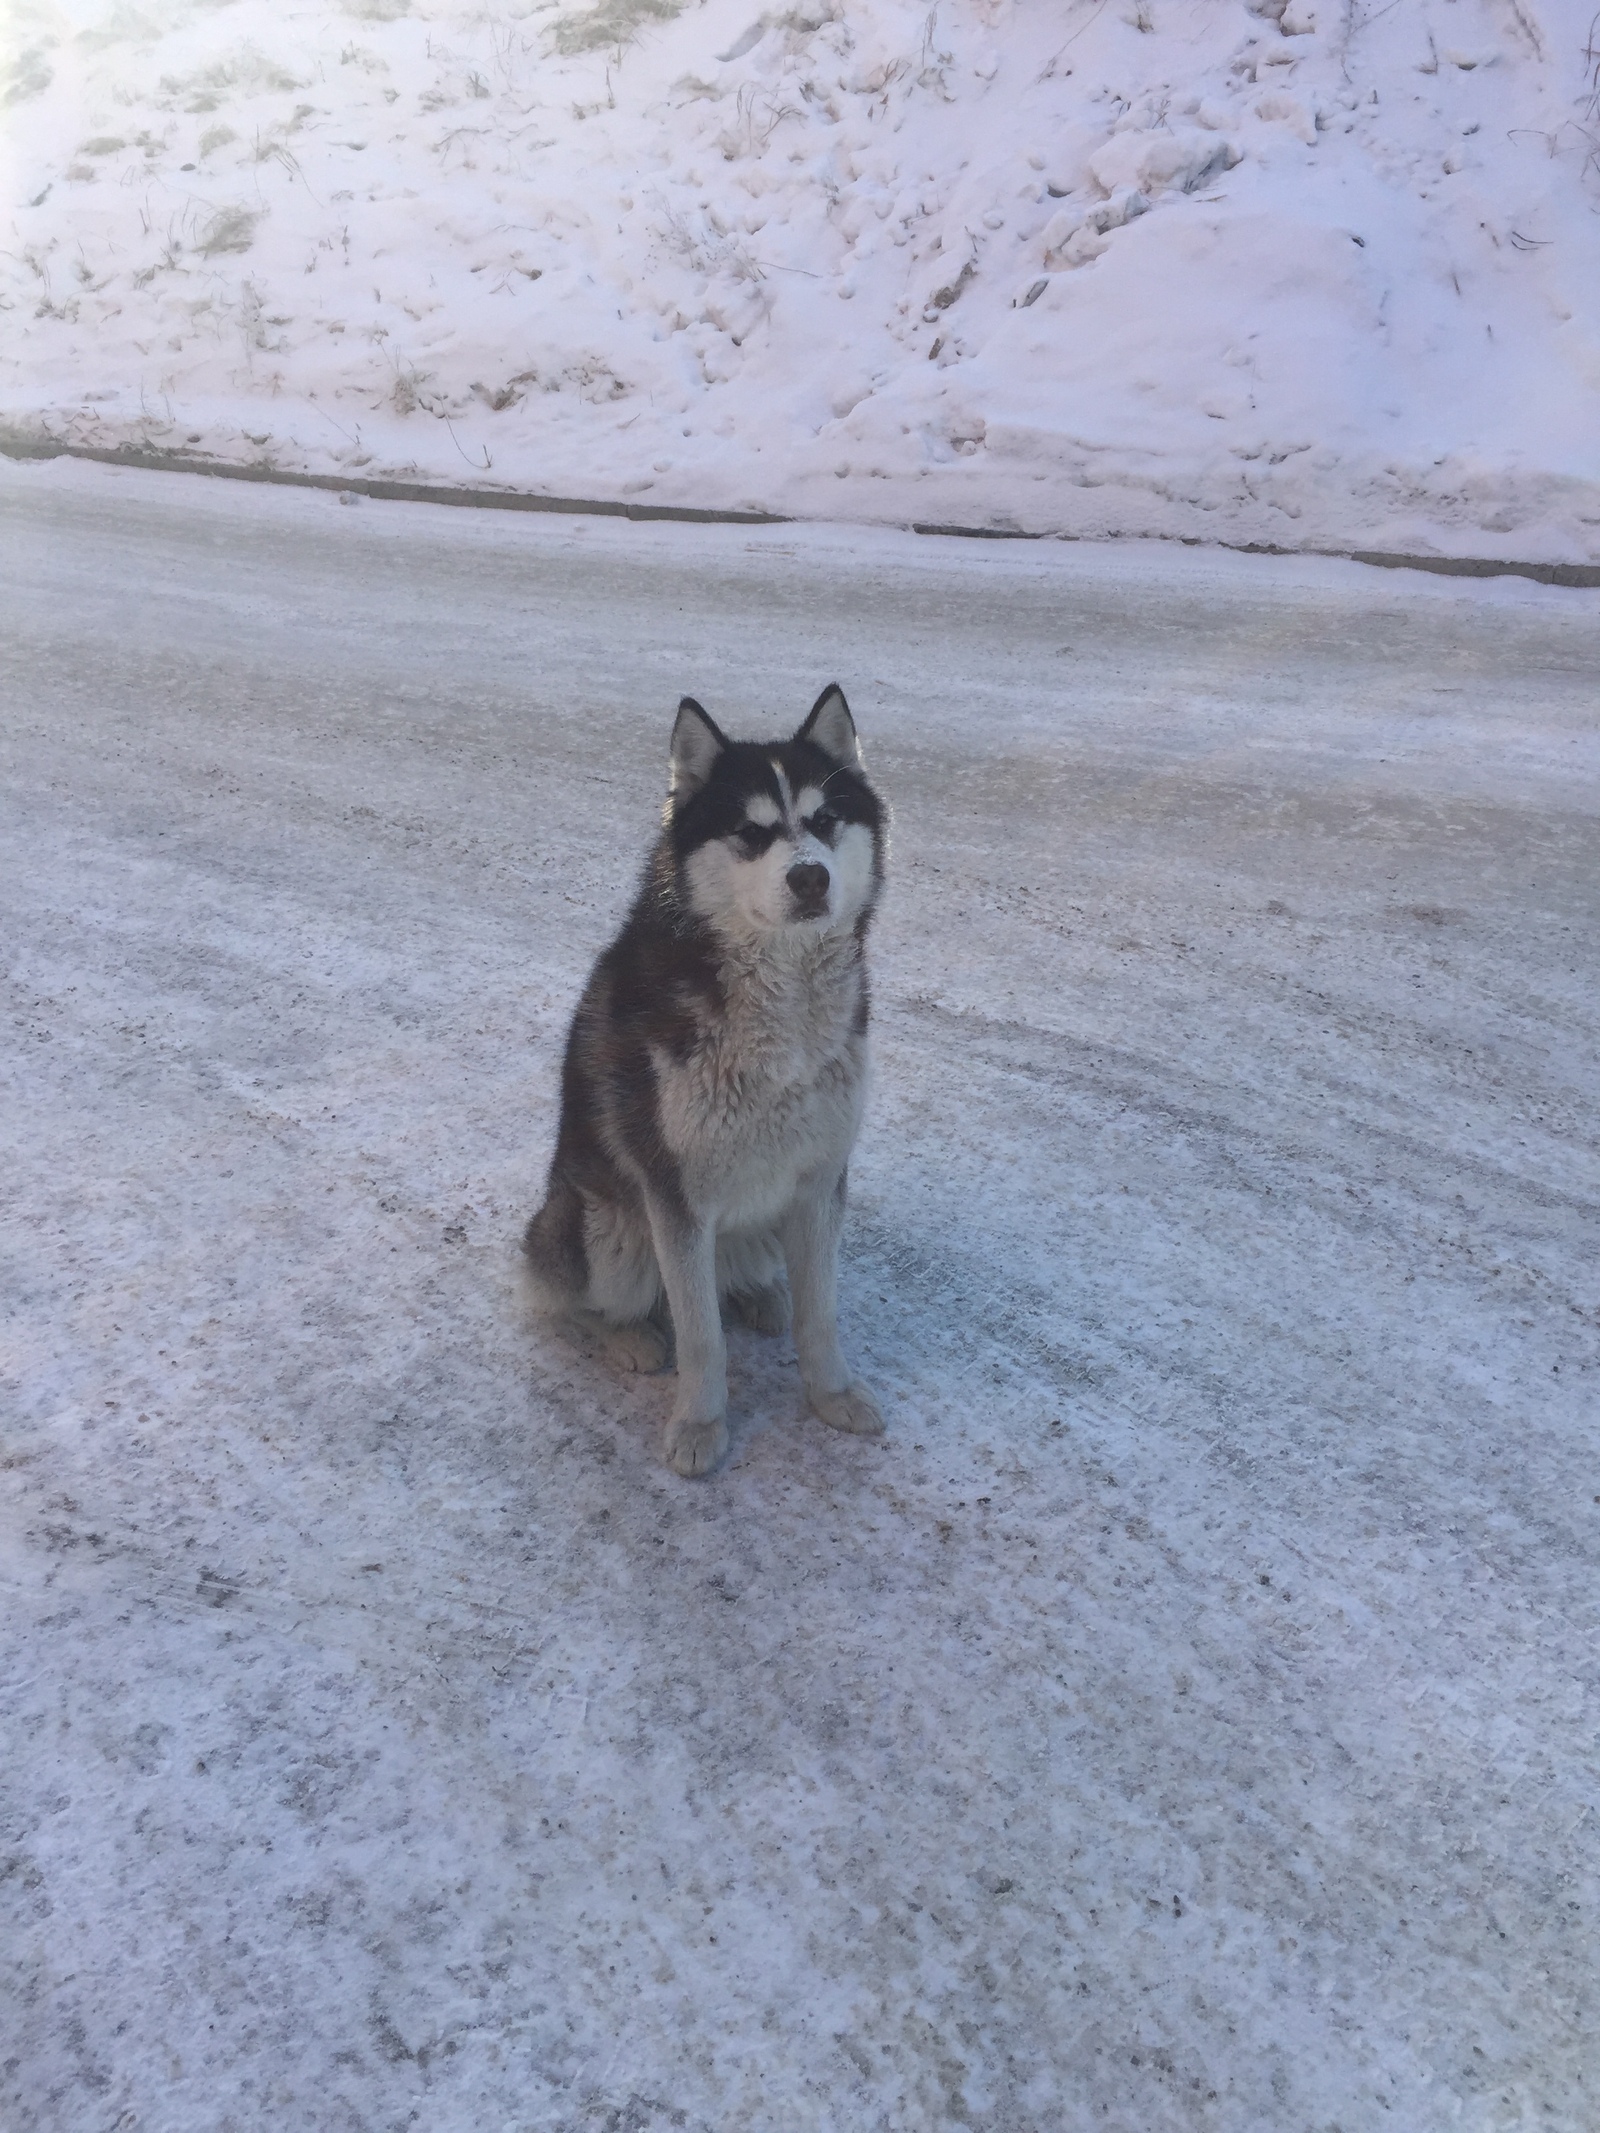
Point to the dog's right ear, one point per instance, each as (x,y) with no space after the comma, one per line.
(696,744)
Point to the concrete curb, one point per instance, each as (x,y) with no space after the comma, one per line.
(394,492)
(1576,576)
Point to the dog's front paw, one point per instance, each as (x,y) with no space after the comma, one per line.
(692,1448)
(854,1410)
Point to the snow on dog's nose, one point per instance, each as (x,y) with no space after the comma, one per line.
(808,885)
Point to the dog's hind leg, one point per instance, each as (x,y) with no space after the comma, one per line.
(750,1280)
(622,1306)
(639,1345)
(764,1310)
(592,1270)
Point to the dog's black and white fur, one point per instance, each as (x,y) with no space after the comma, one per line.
(715,1075)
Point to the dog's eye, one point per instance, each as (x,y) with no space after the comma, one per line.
(754,838)
(823,823)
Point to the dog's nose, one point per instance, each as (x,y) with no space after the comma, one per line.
(809,883)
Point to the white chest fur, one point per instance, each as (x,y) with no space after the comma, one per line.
(772,1092)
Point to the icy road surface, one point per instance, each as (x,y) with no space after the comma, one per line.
(1185,1720)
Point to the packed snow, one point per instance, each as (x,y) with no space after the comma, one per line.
(1309,275)
(1183,1722)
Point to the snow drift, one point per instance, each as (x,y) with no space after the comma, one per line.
(1307,275)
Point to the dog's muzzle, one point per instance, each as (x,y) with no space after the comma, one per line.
(808,885)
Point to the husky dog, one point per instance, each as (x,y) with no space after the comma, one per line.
(715,1074)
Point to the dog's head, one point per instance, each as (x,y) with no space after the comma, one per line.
(777,838)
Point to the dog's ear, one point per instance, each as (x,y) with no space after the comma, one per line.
(696,744)
(830,725)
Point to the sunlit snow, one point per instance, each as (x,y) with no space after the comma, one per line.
(1307,276)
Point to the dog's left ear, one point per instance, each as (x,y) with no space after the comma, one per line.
(697,741)
(830,725)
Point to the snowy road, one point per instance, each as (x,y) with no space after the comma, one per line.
(1186,1720)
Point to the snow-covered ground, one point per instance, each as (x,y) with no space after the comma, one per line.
(1323,274)
(1185,1719)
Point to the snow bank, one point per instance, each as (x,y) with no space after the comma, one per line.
(1305,275)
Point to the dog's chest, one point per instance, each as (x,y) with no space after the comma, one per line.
(771,1091)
